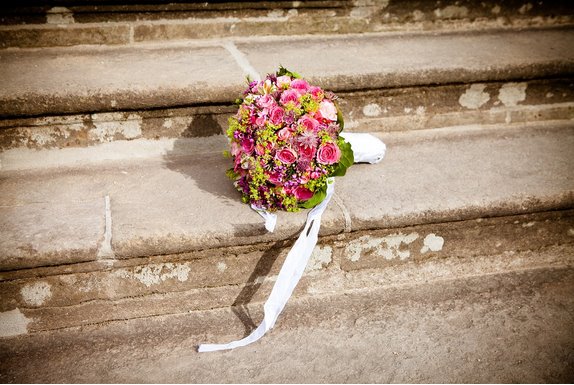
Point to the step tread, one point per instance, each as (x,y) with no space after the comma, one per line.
(182,201)
(92,79)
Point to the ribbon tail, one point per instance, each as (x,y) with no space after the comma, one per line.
(288,277)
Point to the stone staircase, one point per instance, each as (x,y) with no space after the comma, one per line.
(116,214)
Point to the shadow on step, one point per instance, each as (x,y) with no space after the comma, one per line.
(254,282)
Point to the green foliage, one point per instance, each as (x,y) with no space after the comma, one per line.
(315,199)
(347,158)
(284,71)
(231,174)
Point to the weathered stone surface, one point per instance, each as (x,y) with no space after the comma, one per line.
(370,62)
(88,80)
(412,108)
(235,276)
(430,178)
(512,327)
(399,109)
(106,79)
(92,129)
(36,26)
(48,231)
(63,35)
(181,200)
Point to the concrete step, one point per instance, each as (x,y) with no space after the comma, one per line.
(115,236)
(84,96)
(496,328)
(44,24)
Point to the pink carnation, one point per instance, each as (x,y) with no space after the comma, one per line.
(286,155)
(300,85)
(328,154)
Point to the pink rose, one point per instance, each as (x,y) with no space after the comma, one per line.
(328,110)
(307,152)
(309,123)
(300,85)
(286,155)
(289,96)
(328,154)
(302,194)
(266,101)
(247,145)
(284,134)
(276,115)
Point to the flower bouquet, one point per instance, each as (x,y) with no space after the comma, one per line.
(285,143)
(286,146)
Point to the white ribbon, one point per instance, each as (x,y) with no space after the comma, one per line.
(288,277)
(366,148)
(270,218)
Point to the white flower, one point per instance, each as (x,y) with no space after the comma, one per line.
(328,110)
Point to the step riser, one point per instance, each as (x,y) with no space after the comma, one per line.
(83,294)
(112,25)
(386,110)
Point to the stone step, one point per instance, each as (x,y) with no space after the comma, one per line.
(43,24)
(513,327)
(122,237)
(83,96)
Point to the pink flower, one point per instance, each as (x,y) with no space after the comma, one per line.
(284,134)
(266,101)
(289,96)
(302,194)
(235,149)
(286,155)
(328,110)
(307,152)
(328,154)
(247,145)
(315,91)
(300,85)
(283,80)
(259,149)
(276,115)
(260,121)
(275,178)
(309,123)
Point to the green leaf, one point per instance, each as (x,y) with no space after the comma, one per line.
(315,199)
(347,158)
(284,71)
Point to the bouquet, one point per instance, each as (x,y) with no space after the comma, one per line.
(286,146)
(285,143)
